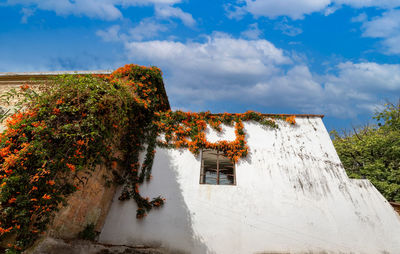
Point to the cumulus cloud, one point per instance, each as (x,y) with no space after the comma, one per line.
(386,27)
(296,9)
(105,9)
(94,9)
(357,87)
(219,54)
(384,4)
(367,77)
(223,69)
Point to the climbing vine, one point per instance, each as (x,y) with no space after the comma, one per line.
(75,123)
(187,130)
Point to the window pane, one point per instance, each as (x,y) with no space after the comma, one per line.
(210,167)
(210,160)
(226,176)
(210,177)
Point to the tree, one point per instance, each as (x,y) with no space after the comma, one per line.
(373,152)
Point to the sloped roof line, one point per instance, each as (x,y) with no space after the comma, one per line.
(284,115)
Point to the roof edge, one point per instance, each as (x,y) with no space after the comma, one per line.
(28,76)
(297,115)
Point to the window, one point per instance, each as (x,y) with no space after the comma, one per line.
(216,168)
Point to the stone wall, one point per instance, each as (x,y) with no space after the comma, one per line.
(88,205)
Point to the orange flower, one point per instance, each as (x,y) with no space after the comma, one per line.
(60,101)
(4,151)
(291,119)
(114,164)
(80,142)
(24,87)
(47,197)
(51,182)
(12,200)
(71,166)
(35,124)
(2,230)
(56,111)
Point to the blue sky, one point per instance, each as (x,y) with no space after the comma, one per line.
(340,58)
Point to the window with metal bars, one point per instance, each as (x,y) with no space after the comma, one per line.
(216,168)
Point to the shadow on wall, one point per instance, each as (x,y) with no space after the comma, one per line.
(169,227)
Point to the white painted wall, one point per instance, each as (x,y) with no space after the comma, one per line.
(292,195)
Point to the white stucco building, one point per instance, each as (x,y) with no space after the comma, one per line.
(292,195)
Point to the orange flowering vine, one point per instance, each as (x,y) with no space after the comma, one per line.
(187,130)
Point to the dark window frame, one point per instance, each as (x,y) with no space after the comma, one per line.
(202,173)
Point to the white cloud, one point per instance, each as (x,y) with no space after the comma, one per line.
(111,34)
(233,11)
(219,54)
(105,9)
(358,86)
(253,32)
(360,18)
(223,69)
(26,12)
(392,44)
(145,29)
(383,26)
(287,29)
(296,9)
(386,27)
(102,9)
(295,88)
(368,77)
(166,11)
(384,4)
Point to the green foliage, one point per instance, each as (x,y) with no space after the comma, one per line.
(64,131)
(373,152)
(88,233)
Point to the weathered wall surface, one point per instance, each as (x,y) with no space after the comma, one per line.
(90,204)
(4,88)
(292,195)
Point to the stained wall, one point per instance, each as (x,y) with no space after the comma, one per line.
(292,196)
